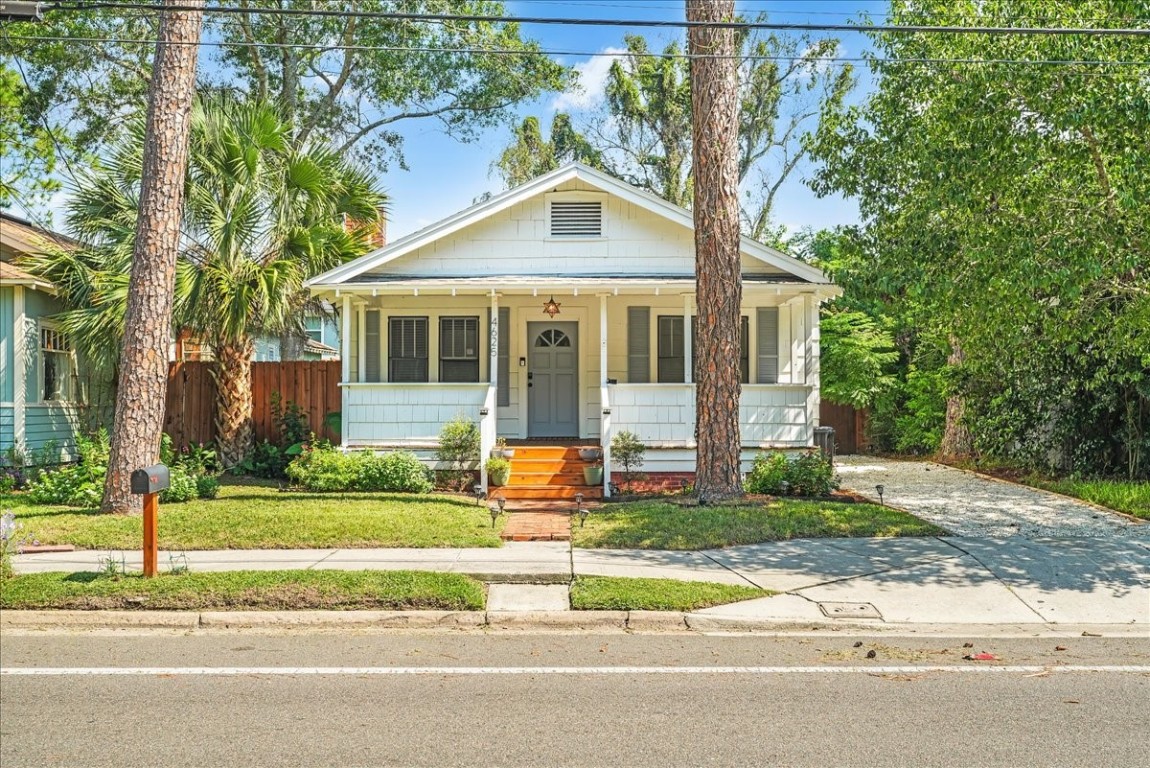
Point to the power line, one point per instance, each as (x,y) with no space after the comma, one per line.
(623,54)
(665,24)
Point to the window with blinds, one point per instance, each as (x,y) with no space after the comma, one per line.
(572,218)
(459,349)
(407,349)
(672,356)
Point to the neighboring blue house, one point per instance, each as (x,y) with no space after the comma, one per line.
(45,391)
(322,341)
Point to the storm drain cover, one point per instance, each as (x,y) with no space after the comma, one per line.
(850,610)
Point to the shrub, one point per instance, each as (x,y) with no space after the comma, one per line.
(207,487)
(182,488)
(401,471)
(324,469)
(75,485)
(627,449)
(290,420)
(265,460)
(7,483)
(808,475)
(459,449)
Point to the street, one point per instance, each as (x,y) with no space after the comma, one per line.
(482,699)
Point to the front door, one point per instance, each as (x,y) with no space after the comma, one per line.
(553,380)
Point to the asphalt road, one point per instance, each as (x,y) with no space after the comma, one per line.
(513,700)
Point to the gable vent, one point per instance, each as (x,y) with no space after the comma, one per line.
(576,219)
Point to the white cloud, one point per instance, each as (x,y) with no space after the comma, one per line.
(592,82)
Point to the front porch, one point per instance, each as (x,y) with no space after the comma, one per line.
(616,355)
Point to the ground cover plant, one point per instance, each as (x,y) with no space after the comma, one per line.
(608,593)
(1131,498)
(255,514)
(661,524)
(258,590)
(323,468)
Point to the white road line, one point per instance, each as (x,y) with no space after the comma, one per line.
(829,670)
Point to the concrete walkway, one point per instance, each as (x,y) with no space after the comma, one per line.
(1014,580)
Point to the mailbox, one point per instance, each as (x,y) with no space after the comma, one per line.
(151,479)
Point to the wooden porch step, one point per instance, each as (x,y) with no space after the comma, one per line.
(552,452)
(546,491)
(551,466)
(546,478)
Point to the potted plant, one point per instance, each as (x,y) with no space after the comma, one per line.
(502,450)
(593,473)
(498,470)
(593,453)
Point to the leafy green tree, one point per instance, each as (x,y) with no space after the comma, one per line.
(377,75)
(27,155)
(261,215)
(1006,206)
(530,155)
(642,133)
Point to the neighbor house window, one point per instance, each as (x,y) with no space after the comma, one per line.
(57,366)
(459,349)
(407,349)
(672,357)
(313,327)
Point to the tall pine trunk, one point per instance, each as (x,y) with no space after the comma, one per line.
(957,441)
(234,400)
(714,125)
(143,377)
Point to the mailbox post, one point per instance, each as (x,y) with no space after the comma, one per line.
(149,481)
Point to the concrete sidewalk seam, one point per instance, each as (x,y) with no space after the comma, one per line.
(326,557)
(1000,580)
(727,567)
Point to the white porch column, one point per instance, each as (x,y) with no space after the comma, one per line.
(604,397)
(813,360)
(20,368)
(489,422)
(345,372)
(361,340)
(688,353)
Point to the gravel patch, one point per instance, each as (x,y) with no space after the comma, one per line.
(967,504)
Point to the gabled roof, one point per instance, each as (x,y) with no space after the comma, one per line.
(24,237)
(602,181)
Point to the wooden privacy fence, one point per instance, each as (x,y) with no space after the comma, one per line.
(190,408)
(849,425)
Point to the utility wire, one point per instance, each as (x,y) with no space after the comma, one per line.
(666,24)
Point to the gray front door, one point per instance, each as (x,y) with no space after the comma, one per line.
(553,380)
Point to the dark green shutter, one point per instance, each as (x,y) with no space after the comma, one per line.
(767,351)
(639,345)
(503,359)
(371,345)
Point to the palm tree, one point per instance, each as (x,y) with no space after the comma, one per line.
(262,214)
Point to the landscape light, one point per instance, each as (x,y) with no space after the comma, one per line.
(880,489)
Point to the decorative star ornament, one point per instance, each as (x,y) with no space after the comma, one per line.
(551,307)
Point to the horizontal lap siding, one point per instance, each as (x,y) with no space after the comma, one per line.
(7,426)
(45,422)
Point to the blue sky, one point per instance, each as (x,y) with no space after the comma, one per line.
(446,175)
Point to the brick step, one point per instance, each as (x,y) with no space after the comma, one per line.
(547,491)
(554,452)
(546,478)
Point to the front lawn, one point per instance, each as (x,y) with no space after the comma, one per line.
(667,525)
(246,590)
(1131,498)
(258,516)
(607,593)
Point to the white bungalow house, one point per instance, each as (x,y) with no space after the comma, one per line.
(561,312)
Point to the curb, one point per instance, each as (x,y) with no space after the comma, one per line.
(643,622)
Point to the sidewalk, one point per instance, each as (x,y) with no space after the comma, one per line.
(952,580)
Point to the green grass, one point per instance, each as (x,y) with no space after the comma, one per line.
(1131,498)
(254,590)
(666,525)
(256,516)
(603,593)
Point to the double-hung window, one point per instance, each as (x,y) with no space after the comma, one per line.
(672,351)
(407,349)
(57,366)
(459,349)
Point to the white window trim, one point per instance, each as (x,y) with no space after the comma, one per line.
(577,197)
(48,325)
